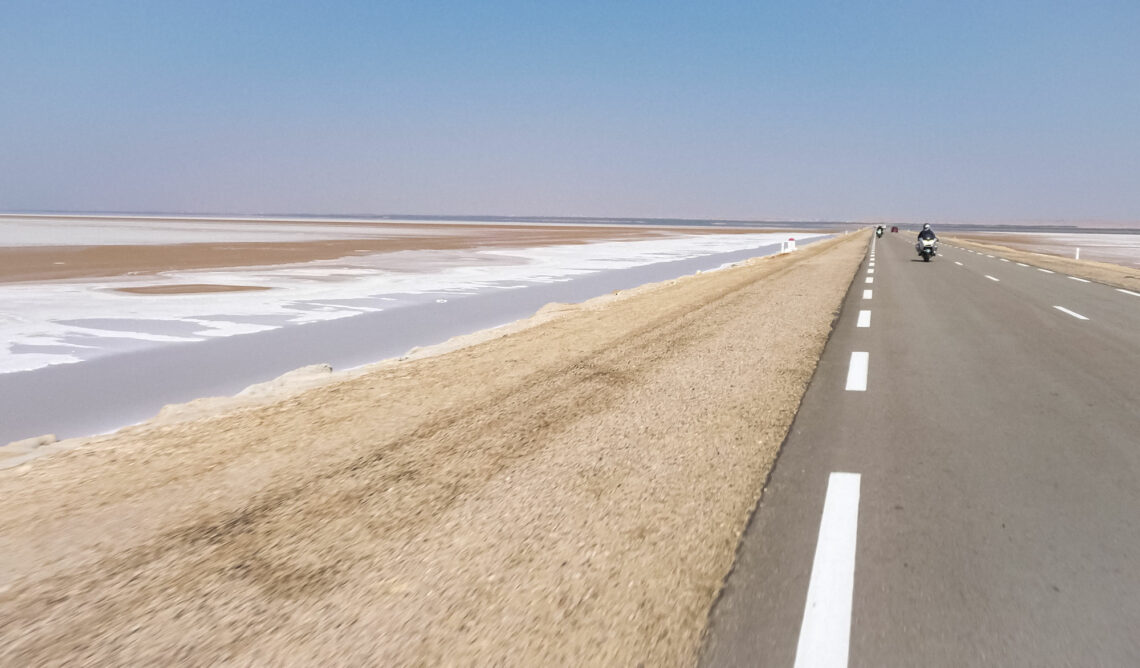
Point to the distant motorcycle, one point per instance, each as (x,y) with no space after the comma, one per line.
(927,248)
(879,231)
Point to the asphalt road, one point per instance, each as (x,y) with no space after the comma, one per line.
(995,515)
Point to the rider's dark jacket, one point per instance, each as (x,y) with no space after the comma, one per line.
(927,234)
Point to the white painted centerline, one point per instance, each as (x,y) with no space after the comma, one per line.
(1082,280)
(864,319)
(992,278)
(866,294)
(825,634)
(1128,292)
(1076,315)
(869,279)
(1044,270)
(857,372)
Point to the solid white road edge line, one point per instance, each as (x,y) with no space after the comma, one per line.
(1082,280)
(1128,292)
(866,294)
(864,319)
(991,278)
(825,633)
(1072,313)
(857,372)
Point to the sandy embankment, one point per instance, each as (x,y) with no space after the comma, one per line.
(1101,272)
(570,493)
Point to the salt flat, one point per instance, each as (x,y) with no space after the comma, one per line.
(84,356)
(46,322)
(1122,249)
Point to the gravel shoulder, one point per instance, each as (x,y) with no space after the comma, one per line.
(570,491)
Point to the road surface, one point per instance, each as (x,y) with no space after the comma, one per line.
(993,512)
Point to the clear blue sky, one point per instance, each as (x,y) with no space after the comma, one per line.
(974,111)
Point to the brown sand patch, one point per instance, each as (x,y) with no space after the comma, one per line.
(41,263)
(188,289)
(1101,272)
(567,494)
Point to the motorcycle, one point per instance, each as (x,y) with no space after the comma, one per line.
(879,231)
(927,248)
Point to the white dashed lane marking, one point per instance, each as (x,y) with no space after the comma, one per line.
(869,279)
(866,294)
(958,263)
(1022,264)
(1080,279)
(864,319)
(991,278)
(1128,292)
(857,372)
(825,633)
(1076,315)
(1044,270)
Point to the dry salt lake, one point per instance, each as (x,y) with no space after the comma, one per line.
(88,354)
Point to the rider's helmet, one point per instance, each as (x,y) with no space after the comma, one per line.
(926,226)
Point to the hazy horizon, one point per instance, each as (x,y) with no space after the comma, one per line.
(977,112)
(476,218)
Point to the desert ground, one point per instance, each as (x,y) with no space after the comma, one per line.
(566,490)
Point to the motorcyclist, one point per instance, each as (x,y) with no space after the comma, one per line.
(925,233)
